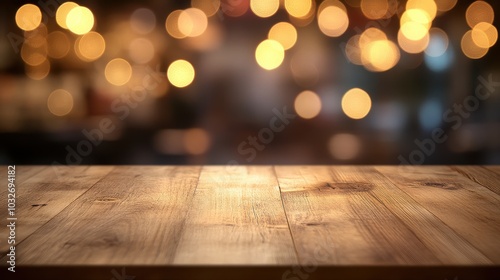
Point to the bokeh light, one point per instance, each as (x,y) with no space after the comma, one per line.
(118,72)
(411,46)
(414,30)
(307,104)
(353,50)
(344,146)
(356,103)
(445,5)
(429,6)
(374,9)
(415,24)
(196,141)
(62,13)
(38,72)
(284,33)
(141,50)
(305,20)
(438,43)
(479,11)
(373,50)
(211,39)
(28,17)
(380,55)
(90,46)
(80,20)
(234,8)
(269,54)
(484,35)
(37,37)
(143,21)
(370,35)
(172,25)
(298,8)
(416,16)
(60,102)
(209,7)
(471,49)
(264,8)
(180,73)
(34,56)
(192,22)
(333,21)
(58,44)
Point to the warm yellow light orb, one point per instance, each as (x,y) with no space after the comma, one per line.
(80,20)
(181,73)
(298,8)
(264,8)
(118,72)
(91,46)
(333,21)
(356,103)
(269,54)
(28,17)
(307,104)
(284,33)
(62,13)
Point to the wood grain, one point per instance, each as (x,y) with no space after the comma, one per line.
(132,216)
(337,216)
(336,219)
(470,209)
(41,194)
(494,168)
(236,218)
(441,240)
(481,175)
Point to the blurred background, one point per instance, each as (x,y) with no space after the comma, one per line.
(249,82)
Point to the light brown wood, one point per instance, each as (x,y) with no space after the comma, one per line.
(257,215)
(481,175)
(236,218)
(334,211)
(470,209)
(441,240)
(41,194)
(134,215)
(494,168)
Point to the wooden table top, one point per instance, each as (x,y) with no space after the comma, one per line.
(263,216)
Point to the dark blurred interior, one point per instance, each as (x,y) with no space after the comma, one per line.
(221,82)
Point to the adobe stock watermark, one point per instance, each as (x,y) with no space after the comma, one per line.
(48,9)
(254,144)
(121,107)
(454,116)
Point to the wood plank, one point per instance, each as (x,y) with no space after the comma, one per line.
(481,175)
(41,194)
(237,218)
(494,168)
(442,241)
(470,209)
(336,219)
(132,216)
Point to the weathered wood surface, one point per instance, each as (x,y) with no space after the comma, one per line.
(256,215)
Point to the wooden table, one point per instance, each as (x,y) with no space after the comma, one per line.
(255,222)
